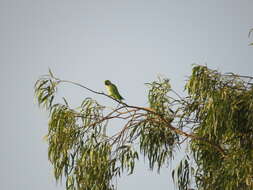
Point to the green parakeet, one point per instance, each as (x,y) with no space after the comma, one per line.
(113,90)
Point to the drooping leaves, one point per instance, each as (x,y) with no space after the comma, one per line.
(215,119)
(222,105)
(157,141)
(183,174)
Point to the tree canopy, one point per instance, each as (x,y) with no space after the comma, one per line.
(214,119)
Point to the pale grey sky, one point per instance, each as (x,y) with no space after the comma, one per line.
(88,41)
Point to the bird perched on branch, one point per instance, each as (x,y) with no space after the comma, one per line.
(113,90)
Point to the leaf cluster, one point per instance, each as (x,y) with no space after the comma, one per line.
(222,105)
(157,141)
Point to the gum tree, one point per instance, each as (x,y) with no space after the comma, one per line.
(214,120)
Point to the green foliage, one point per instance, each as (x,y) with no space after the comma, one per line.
(182,175)
(93,168)
(44,91)
(215,120)
(158,96)
(222,105)
(157,141)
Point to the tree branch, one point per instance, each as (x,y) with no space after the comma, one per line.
(149,110)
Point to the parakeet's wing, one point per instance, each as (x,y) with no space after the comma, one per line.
(115,92)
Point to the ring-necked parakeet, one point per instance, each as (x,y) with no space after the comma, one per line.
(113,90)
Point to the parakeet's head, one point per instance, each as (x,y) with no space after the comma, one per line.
(107,82)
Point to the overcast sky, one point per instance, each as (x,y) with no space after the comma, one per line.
(128,42)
